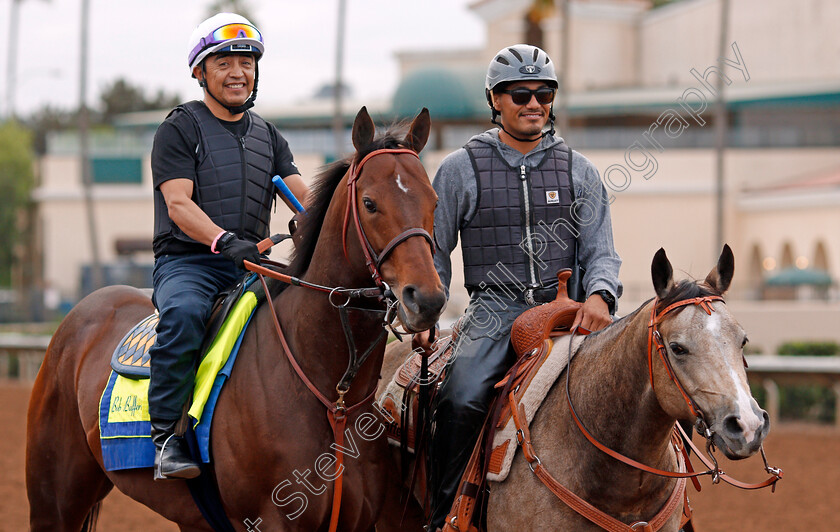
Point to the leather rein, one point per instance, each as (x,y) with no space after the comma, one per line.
(337,411)
(685,469)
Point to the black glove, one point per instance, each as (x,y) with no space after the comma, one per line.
(238,250)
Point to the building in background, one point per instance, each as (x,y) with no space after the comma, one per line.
(640,105)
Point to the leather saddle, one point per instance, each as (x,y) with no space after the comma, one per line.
(530,337)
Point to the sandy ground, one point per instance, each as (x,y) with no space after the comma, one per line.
(806,500)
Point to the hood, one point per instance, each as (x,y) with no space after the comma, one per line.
(514,157)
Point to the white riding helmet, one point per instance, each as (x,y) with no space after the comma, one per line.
(224,32)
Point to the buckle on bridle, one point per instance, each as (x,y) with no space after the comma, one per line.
(639,524)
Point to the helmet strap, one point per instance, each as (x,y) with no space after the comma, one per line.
(550,131)
(236,109)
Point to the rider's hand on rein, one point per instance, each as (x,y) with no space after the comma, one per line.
(238,250)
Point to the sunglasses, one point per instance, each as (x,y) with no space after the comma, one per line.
(225,33)
(522,96)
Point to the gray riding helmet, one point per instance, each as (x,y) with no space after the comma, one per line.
(520,62)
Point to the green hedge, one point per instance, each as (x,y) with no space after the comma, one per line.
(816,349)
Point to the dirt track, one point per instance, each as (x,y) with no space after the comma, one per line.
(806,500)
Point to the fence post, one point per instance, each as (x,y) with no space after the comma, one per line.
(772,390)
(836,388)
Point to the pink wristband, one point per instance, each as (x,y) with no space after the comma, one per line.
(215,240)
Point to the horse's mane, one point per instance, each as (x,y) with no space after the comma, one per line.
(685,289)
(306,236)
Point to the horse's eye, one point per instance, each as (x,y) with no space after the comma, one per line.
(744,342)
(369,204)
(677,349)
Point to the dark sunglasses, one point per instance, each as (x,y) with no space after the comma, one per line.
(521,95)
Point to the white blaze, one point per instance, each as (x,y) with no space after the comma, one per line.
(400,184)
(713,324)
(749,421)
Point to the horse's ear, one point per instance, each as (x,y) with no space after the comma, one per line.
(418,133)
(662,274)
(363,130)
(721,275)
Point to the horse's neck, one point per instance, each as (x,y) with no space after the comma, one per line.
(611,391)
(312,325)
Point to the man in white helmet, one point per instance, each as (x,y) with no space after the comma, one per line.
(212,164)
(525,206)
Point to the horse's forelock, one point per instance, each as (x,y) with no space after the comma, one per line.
(685,289)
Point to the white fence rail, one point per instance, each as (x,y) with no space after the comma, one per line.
(771,371)
(21,356)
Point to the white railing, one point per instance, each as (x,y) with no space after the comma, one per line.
(771,371)
(21,355)
(768,371)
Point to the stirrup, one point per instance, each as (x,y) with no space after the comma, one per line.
(188,472)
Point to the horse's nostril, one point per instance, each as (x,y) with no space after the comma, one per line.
(732,425)
(417,301)
(409,297)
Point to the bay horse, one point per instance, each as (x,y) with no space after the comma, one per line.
(270,429)
(628,402)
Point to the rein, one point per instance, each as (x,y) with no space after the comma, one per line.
(685,469)
(337,411)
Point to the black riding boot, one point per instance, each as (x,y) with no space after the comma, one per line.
(172,458)
(461,408)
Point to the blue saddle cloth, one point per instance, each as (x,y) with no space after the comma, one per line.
(124,426)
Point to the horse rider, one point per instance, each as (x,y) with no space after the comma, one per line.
(212,164)
(524,204)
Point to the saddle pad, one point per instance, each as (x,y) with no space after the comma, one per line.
(124,426)
(391,404)
(407,380)
(409,374)
(504,441)
(131,357)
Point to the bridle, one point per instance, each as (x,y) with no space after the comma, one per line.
(655,339)
(372,259)
(337,411)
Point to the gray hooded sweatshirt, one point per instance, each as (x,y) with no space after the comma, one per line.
(455,184)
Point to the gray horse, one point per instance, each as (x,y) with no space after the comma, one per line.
(631,409)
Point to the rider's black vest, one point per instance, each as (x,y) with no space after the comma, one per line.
(233,177)
(522,225)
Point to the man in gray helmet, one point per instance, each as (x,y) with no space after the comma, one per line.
(524,204)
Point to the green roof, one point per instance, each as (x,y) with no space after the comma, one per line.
(448,94)
(798,277)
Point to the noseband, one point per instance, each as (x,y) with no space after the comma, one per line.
(372,259)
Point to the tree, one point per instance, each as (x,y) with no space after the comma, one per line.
(16,182)
(123,97)
(45,120)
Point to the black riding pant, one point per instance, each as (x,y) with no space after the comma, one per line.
(185,288)
(482,357)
